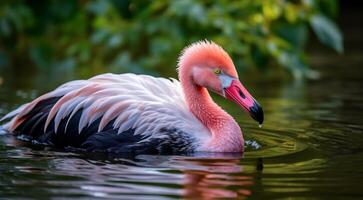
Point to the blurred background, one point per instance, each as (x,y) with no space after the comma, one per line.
(88,37)
(301,59)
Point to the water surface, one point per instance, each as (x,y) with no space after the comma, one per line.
(311,145)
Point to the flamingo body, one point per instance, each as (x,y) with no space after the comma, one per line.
(140,113)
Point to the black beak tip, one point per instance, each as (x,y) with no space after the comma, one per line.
(257,113)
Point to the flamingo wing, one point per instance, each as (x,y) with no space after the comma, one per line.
(118,112)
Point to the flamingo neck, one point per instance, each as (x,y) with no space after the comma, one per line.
(205,109)
(225,132)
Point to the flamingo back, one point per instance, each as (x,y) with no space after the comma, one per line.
(137,108)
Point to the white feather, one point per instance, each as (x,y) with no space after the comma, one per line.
(144,103)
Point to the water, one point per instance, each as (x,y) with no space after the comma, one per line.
(310,146)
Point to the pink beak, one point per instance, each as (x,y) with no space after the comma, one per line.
(237,93)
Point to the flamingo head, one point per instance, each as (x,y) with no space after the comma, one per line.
(211,67)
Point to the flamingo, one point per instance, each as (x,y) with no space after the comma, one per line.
(131,113)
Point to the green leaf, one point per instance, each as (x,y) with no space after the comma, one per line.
(327,32)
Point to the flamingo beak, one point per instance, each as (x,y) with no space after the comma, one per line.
(238,94)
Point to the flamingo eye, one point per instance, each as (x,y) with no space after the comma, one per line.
(217,71)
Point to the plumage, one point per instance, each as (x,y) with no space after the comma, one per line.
(137,113)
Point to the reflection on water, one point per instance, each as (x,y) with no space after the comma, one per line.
(69,175)
(310,146)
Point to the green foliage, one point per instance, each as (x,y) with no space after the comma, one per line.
(327,32)
(147,36)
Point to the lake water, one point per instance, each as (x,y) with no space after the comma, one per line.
(310,146)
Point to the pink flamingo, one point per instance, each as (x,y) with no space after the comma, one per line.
(143,114)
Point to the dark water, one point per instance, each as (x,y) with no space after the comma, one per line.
(311,146)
